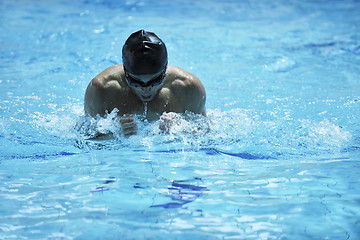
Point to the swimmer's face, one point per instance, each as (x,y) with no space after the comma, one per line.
(145,86)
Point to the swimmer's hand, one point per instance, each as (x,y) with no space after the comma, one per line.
(128,125)
(167,120)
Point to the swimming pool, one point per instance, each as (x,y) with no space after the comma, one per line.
(276,158)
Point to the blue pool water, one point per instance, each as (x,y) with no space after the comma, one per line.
(278,156)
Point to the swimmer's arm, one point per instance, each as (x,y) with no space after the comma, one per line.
(101,97)
(204,113)
(188,91)
(94,98)
(194,97)
(102,90)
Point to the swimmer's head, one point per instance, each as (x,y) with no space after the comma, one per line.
(144,53)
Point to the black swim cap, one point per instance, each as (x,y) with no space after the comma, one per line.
(144,53)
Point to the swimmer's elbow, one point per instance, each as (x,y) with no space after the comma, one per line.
(204,113)
(202,103)
(199,106)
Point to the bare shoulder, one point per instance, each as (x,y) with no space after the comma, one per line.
(188,89)
(180,76)
(110,74)
(103,89)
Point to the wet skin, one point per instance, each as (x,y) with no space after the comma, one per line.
(180,91)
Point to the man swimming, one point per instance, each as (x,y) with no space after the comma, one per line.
(144,81)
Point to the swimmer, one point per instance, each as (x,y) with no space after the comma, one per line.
(144,84)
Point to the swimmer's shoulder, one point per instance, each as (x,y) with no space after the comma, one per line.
(187,88)
(179,77)
(181,80)
(105,90)
(111,77)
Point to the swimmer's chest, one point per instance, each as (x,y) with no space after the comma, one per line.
(163,102)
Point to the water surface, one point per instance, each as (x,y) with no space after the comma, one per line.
(276,158)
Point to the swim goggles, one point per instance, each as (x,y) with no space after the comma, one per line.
(133,82)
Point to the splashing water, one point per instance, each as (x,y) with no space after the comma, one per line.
(277,154)
(145,109)
(235,131)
